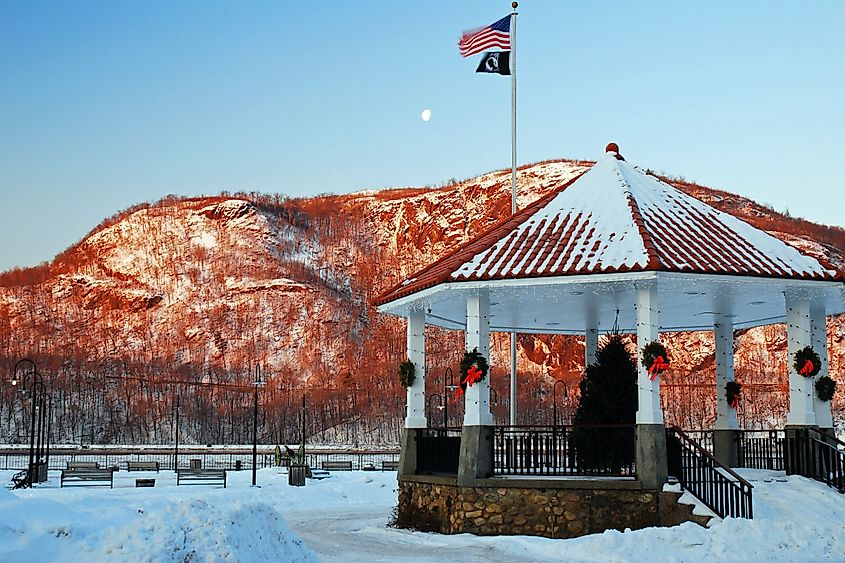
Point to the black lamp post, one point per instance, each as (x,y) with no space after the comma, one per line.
(176,449)
(554,399)
(448,384)
(256,382)
(440,403)
(39,404)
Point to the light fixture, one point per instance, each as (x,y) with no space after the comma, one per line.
(552,324)
(757,303)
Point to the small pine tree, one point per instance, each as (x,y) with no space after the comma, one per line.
(608,396)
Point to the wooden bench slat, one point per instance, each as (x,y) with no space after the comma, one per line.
(142,466)
(86,476)
(201,477)
(337,465)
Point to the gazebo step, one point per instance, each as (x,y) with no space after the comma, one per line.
(674,512)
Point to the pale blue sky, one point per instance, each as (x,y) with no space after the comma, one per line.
(107,104)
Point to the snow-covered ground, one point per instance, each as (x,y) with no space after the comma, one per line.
(344,518)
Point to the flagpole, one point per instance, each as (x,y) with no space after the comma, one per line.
(514,5)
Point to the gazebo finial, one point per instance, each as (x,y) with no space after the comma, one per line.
(613,149)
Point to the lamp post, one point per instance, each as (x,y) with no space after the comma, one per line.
(554,399)
(440,403)
(35,445)
(176,449)
(256,383)
(448,384)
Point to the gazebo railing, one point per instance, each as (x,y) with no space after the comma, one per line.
(817,456)
(719,487)
(608,450)
(438,451)
(760,449)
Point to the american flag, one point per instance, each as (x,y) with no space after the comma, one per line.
(496,36)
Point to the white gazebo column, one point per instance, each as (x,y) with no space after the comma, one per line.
(651,435)
(415,413)
(818,335)
(724,436)
(799,335)
(476,460)
(415,405)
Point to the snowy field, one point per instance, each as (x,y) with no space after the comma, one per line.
(343,518)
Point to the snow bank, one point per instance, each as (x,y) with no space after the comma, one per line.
(344,519)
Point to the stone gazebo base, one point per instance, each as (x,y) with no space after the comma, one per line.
(550,508)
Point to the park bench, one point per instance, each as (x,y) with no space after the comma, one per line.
(142,466)
(82,465)
(337,466)
(390,465)
(85,477)
(201,477)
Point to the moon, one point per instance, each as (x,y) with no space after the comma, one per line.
(426,114)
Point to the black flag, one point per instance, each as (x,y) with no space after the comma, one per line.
(495,62)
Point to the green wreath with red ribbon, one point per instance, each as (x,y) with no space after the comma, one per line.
(406,373)
(474,368)
(825,388)
(806,362)
(733,390)
(655,358)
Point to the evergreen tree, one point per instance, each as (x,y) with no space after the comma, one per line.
(608,396)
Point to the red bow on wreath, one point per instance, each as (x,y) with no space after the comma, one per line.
(808,368)
(658,365)
(473,376)
(735,402)
(459,392)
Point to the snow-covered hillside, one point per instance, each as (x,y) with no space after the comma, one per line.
(203,289)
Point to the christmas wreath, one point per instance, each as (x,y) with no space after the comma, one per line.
(807,362)
(732,391)
(655,358)
(406,373)
(825,388)
(474,368)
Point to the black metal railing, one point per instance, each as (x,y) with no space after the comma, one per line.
(438,451)
(720,488)
(565,450)
(818,456)
(703,438)
(760,449)
(222,458)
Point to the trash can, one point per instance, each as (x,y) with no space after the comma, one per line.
(296,475)
(238,465)
(196,464)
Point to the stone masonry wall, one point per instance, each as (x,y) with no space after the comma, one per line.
(553,513)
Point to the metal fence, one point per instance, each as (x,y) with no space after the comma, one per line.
(17,459)
(760,449)
(607,450)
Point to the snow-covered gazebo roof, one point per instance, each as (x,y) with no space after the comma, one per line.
(576,256)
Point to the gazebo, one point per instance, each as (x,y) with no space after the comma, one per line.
(613,246)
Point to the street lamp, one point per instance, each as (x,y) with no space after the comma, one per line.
(440,403)
(554,399)
(40,405)
(256,383)
(448,385)
(176,450)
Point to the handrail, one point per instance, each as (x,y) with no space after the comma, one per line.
(827,437)
(707,479)
(817,458)
(710,456)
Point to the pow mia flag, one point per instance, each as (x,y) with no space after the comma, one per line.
(495,62)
